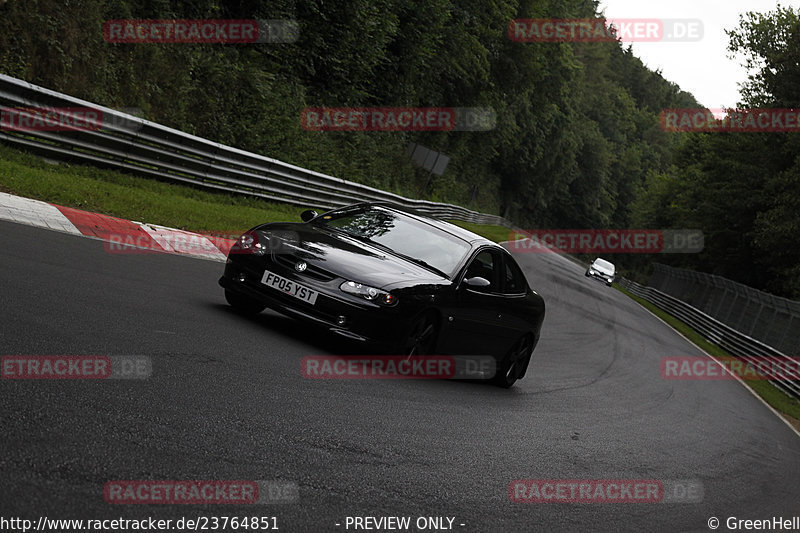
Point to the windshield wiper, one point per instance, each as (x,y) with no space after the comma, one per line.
(420,262)
(423,263)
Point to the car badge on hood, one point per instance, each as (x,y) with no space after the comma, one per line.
(300,266)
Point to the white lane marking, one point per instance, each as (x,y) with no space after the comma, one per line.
(737,378)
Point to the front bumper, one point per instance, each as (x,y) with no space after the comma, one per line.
(342,314)
(599,275)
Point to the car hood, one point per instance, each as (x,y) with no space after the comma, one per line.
(347,257)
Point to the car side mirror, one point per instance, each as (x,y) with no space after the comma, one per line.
(307,215)
(477,283)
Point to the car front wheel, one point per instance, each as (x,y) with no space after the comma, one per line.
(421,337)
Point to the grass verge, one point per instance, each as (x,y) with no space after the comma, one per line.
(134,198)
(493,233)
(147,200)
(781,402)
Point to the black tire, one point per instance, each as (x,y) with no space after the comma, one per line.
(243,304)
(515,363)
(421,336)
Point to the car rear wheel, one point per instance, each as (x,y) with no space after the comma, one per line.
(421,338)
(242,303)
(516,361)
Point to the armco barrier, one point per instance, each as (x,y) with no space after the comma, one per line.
(738,344)
(773,320)
(139,146)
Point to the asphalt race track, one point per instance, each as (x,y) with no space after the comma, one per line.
(226,401)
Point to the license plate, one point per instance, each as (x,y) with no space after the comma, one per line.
(289,287)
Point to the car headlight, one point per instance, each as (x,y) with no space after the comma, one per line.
(368,293)
(248,243)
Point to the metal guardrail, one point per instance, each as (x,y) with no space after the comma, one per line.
(740,345)
(773,320)
(128,143)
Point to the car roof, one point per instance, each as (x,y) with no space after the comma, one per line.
(604,262)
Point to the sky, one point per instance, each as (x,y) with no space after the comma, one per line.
(703,67)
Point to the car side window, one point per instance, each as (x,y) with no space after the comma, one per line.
(513,279)
(485,265)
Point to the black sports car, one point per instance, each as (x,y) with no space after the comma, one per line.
(388,276)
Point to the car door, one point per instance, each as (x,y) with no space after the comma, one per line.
(516,313)
(474,321)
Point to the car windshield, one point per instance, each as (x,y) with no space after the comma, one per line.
(602,263)
(401,234)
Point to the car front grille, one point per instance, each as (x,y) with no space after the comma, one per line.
(311,271)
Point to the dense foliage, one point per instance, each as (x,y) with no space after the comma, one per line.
(742,189)
(577,143)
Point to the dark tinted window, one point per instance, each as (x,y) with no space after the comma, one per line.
(485,265)
(514,279)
